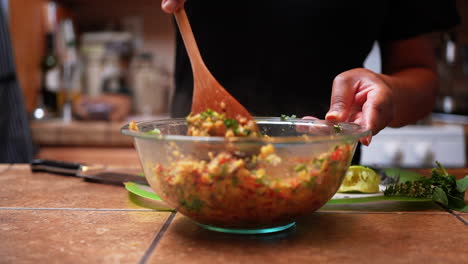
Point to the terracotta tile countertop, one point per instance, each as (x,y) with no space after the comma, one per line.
(46,218)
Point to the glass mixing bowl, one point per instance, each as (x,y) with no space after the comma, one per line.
(247,185)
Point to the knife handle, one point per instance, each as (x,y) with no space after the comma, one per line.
(53,166)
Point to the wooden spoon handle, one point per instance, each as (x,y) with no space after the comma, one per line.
(189,40)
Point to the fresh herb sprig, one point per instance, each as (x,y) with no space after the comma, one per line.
(441,187)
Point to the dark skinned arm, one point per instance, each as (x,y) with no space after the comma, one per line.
(402,94)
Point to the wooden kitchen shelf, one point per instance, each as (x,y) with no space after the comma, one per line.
(27,25)
(79,133)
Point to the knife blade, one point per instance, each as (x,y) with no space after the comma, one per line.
(93,173)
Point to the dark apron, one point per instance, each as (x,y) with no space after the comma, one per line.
(15,137)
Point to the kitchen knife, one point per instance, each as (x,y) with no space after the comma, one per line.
(94,173)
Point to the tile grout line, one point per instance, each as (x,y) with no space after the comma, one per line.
(454,214)
(157,238)
(152,210)
(383,212)
(458,216)
(75,209)
(7,169)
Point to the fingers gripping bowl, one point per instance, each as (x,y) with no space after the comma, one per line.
(246,184)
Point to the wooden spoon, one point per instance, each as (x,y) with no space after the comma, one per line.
(207,92)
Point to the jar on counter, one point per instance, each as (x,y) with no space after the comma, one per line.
(150,88)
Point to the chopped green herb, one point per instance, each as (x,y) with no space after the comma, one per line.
(337,128)
(300,167)
(195,205)
(317,163)
(285,117)
(207,113)
(311,182)
(154,132)
(259,181)
(235,181)
(224,170)
(231,123)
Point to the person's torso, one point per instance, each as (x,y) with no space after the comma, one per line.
(278,57)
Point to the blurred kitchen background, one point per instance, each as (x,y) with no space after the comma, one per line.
(71,54)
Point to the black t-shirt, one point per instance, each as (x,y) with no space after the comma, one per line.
(280,57)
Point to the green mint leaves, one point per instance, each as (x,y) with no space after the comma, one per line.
(462,184)
(439,196)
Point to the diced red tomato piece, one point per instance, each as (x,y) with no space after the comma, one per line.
(158,168)
(337,154)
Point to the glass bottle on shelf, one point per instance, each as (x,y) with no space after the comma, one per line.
(149,86)
(71,68)
(50,77)
(50,73)
(113,79)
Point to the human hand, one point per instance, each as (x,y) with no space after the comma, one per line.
(170,6)
(363,97)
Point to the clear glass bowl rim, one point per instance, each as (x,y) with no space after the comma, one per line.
(356,131)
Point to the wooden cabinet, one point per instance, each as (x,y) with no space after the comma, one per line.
(27,34)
